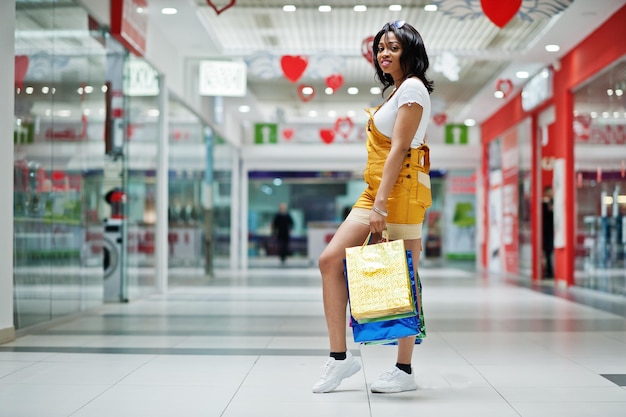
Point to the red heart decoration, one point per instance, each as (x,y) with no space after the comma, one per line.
(305,97)
(293,66)
(219,10)
(500,12)
(367,49)
(334,81)
(327,135)
(21,68)
(344,126)
(504,85)
(440,118)
(288,133)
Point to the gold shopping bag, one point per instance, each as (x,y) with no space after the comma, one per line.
(379,285)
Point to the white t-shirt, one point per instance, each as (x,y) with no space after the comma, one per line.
(410,91)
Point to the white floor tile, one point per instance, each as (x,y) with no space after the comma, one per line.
(492,350)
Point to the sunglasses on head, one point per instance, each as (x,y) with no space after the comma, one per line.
(398,24)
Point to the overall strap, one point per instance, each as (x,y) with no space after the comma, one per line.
(423,153)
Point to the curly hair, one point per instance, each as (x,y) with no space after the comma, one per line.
(414,60)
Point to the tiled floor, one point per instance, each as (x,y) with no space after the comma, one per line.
(252,344)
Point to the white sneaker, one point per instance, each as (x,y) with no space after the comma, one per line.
(395,380)
(334,371)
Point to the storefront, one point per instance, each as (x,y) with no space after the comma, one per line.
(586,175)
(89,169)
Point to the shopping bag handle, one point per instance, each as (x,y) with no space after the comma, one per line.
(384,234)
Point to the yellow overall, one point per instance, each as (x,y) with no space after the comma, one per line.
(410,196)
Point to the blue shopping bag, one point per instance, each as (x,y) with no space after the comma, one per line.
(389,331)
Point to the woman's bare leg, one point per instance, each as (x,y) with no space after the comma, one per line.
(335,292)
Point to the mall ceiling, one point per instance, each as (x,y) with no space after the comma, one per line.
(469,54)
(457,36)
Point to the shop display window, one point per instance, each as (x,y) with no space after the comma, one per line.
(600,140)
(59,114)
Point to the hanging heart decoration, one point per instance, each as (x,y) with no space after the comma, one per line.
(367,49)
(327,135)
(288,134)
(219,9)
(293,66)
(505,86)
(344,126)
(306,92)
(334,81)
(21,68)
(500,12)
(440,118)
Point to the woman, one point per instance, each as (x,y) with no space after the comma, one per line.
(395,200)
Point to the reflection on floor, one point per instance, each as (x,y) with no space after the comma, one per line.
(252,343)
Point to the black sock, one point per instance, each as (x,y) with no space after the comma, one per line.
(339,356)
(404,367)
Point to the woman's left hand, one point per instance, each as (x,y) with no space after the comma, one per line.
(378,223)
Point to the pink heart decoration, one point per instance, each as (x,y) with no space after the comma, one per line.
(440,118)
(504,85)
(218,9)
(327,135)
(288,133)
(500,12)
(293,66)
(344,126)
(21,68)
(367,49)
(334,81)
(305,97)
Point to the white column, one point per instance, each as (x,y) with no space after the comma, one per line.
(162,197)
(7,77)
(235,211)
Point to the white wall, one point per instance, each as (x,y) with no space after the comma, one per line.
(160,53)
(7,69)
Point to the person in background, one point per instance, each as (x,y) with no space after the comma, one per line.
(281,229)
(395,200)
(547,212)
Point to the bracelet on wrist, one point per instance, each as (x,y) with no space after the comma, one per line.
(379,211)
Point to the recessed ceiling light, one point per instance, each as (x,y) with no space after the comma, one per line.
(395,8)
(498,94)
(553,48)
(324,8)
(430,8)
(332,113)
(353,90)
(312,113)
(470,122)
(244,109)
(360,8)
(522,74)
(375,90)
(329,90)
(169,10)
(289,8)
